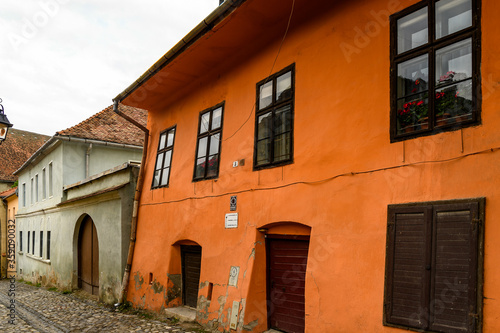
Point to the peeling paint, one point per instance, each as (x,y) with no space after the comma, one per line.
(173,295)
(157,287)
(241,319)
(139,280)
(251,325)
(203,304)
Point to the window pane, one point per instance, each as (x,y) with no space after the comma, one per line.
(156,178)
(159,162)
(282,120)
(454,103)
(213,162)
(202,147)
(284,86)
(205,119)
(216,118)
(200,168)
(170,140)
(412,30)
(412,114)
(452,16)
(265,95)
(214,144)
(164,176)
(454,62)
(282,147)
(413,76)
(163,138)
(168,158)
(264,126)
(263,151)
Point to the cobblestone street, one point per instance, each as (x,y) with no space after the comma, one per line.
(40,310)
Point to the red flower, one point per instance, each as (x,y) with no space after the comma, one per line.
(439,94)
(414,90)
(420,103)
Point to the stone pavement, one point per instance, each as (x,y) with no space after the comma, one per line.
(40,310)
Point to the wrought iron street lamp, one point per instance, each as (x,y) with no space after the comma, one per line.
(4,124)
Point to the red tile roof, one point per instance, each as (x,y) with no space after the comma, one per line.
(110,127)
(16,149)
(8,192)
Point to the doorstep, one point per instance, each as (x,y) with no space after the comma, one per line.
(183,313)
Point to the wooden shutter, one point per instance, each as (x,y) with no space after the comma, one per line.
(454,263)
(433,266)
(406,290)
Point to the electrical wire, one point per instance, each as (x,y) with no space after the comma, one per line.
(316,182)
(270,72)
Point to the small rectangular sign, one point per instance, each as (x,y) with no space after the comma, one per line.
(231,220)
(232,203)
(233,276)
(234,315)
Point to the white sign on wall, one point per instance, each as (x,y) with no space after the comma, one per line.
(231,220)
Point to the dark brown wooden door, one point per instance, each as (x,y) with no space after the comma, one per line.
(191,267)
(287,262)
(88,257)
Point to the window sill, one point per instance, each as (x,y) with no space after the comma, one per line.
(437,130)
(45,261)
(272,165)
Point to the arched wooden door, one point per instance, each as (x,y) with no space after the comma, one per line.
(88,257)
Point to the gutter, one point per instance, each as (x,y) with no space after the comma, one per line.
(137,197)
(219,14)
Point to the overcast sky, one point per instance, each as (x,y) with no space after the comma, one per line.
(62,61)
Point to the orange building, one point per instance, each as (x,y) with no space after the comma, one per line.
(325,166)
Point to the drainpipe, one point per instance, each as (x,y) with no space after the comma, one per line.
(87,161)
(137,196)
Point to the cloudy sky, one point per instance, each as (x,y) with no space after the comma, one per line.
(62,61)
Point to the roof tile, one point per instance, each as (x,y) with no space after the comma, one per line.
(16,149)
(110,127)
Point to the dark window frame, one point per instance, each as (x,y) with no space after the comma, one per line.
(429,212)
(20,241)
(275,105)
(164,151)
(208,134)
(33,242)
(430,48)
(41,244)
(48,245)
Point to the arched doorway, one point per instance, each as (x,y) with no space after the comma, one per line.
(88,257)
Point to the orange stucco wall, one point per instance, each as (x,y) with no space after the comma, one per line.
(345,174)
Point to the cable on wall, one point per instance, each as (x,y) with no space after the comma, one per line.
(270,72)
(317,182)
